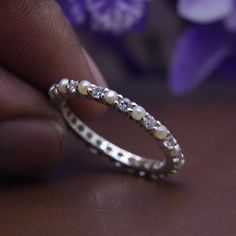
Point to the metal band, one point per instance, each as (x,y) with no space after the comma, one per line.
(155,169)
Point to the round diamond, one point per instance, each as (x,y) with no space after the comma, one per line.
(72,89)
(72,86)
(124,104)
(170,142)
(97,92)
(149,122)
(158,165)
(74,83)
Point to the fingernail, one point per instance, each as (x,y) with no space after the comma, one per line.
(94,69)
(30,147)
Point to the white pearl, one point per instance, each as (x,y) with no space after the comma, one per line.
(176,150)
(62,86)
(178,163)
(138,112)
(161,132)
(110,96)
(83,87)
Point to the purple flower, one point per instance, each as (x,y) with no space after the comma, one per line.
(206,47)
(116,16)
(75,10)
(209,11)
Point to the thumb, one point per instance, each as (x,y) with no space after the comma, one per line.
(45,48)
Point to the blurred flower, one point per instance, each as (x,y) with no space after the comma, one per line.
(75,10)
(209,11)
(206,47)
(116,16)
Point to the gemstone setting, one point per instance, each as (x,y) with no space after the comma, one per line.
(175,151)
(83,87)
(170,142)
(110,96)
(179,162)
(149,122)
(63,86)
(138,112)
(161,132)
(97,92)
(124,104)
(72,86)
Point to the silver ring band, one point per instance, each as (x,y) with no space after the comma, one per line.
(155,169)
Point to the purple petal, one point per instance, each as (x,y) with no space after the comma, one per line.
(199,51)
(230,21)
(205,11)
(116,15)
(227,70)
(75,10)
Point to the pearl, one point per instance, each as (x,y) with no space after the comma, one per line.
(161,132)
(110,96)
(175,151)
(83,87)
(178,163)
(62,86)
(138,112)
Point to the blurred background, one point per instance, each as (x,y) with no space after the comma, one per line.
(178,48)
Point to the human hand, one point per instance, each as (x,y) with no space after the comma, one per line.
(37,48)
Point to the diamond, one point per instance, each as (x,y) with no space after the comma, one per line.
(74,83)
(141,173)
(97,92)
(72,89)
(124,104)
(158,165)
(149,122)
(72,86)
(170,142)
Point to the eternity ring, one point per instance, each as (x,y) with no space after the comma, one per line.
(154,169)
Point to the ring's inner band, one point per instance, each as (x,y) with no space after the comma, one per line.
(113,151)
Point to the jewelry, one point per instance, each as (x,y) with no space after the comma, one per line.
(155,169)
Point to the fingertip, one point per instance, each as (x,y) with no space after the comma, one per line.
(30,147)
(87,110)
(97,75)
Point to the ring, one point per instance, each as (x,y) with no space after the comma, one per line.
(154,169)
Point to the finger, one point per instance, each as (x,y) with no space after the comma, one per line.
(32,134)
(38,44)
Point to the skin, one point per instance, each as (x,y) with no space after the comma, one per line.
(37,48)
